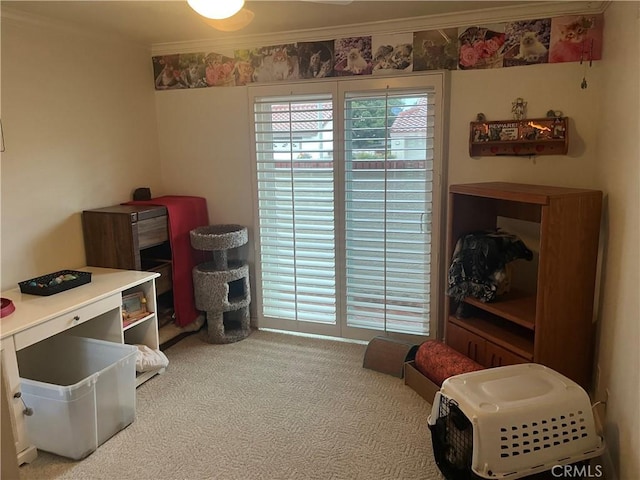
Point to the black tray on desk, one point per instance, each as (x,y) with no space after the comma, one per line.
(43,288)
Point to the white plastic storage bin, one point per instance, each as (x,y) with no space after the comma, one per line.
(511,422)
(82,392)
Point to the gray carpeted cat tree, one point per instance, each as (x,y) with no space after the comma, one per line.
(221,286)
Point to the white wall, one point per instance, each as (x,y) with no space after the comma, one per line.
(205,150)
(543,87)
(205,138)
(80,130)
(618,174)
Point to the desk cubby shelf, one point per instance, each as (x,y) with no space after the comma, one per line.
(126,326)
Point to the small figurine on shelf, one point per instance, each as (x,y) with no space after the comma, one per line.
(477,134)
(558,128)
(554,113)
(519,109)
(134,307)
(494,133)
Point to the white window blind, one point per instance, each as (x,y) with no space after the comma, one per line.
(295,193)
(389,153)
(346,180)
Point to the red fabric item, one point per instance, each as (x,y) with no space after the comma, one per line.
(438,361)
(185,213)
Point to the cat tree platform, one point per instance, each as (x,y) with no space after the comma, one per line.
(221,287)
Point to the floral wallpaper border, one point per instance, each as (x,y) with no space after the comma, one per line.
(574,38)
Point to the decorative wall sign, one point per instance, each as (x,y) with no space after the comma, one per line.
(527,42)
(481,47)
(392,53)
(353,56)
(519,43)
(316,59)
(275,63)
(435,49)
(576,38)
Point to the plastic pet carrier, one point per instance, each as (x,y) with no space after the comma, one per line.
(511,422)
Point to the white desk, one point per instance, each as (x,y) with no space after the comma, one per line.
(93,310)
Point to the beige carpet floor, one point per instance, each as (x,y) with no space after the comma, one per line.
(272,406)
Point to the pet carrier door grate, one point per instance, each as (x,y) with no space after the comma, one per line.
(452,439)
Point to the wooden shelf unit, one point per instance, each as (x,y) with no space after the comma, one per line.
(552,323)
(538,136)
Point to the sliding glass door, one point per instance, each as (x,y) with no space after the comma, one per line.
(346,198)
(388,209)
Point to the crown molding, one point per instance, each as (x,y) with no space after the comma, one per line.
(415,24)
(227,45)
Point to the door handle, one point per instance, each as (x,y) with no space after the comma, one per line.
(425,219)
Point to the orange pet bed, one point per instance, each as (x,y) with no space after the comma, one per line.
(437,361)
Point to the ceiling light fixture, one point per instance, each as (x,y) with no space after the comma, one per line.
(233,23)
(216,9)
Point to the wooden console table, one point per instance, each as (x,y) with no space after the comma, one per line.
(93,310)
